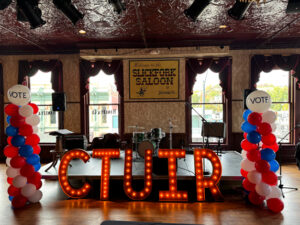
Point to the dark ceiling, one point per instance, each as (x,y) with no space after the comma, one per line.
(150,23)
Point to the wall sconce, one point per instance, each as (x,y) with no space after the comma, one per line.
(239,9)
(69,10)
(196,9)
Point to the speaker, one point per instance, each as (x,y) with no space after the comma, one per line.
(246,93)
(58,101)
(213,129)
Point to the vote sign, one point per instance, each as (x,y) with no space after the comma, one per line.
(19,95)
(258,101)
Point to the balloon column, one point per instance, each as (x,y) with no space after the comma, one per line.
(22,151)
(258,150)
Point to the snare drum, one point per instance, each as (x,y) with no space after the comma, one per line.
(138,137)
(144,145)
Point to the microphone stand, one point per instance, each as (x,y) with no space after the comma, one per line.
(281,186)
(206,144)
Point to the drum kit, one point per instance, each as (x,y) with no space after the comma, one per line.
(142,141)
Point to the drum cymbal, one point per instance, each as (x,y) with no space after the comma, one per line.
(136,127)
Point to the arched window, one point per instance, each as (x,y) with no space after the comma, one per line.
(277,84)
(103,105)
(206,100)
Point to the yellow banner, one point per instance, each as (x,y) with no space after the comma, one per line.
(153,79)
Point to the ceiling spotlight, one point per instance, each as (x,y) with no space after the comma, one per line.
(196,9)
(239,9)
(118,5)
(69,10)
(293,6)
(4,4)
(28,10)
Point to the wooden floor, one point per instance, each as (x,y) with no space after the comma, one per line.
(56,209)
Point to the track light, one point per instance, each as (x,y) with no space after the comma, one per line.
(118,5)
(293,6)
(28,11)
(69,10)
(4,4)
(239,9)
(196,9)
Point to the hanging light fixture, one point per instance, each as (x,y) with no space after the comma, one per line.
(196,9)
(28,10)
(239,9)
(69,10)
(4,4)
(118,5)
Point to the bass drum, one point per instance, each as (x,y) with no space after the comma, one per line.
(144,145)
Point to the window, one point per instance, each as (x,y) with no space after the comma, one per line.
(207,99)
(41,95)
(277,83)
(103,105)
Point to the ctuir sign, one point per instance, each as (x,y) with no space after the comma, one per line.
(164,195)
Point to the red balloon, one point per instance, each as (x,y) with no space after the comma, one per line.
(246,145)
(19,201)
(11,110)
(35,178)
(248,185)
(244,173)
(9,180)
(262,166)
(275,205)
(254,118)
(9,140)
(270,178)
(255,198)
(13,191)
(253,155)
(32,140)
(38,185)
(17,121)
(245,135)
(36,149)
(264,128)
(27,170)
(274,147)
(26,130)
(11,151)
(268,139)
(17,162)
(34,107)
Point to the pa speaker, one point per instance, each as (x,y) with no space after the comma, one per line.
(58,101)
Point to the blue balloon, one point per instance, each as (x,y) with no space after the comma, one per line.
(267,154)
(26,151)
(37,166)
(274,165)
(253,137)
(246,114)
(10,198)
(11,131)
(8,119)
(247,127)
(33,159)
(18,141)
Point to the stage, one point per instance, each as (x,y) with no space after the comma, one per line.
(185,168)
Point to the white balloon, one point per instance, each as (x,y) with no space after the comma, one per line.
(35,129)
(263,189)
(33,120)
(275,192)
(8,161)
(26,110)
(254,177)
(12,172)
(19,181)
(28,190)
(269,117)
(273,126)
(244,154)
(258,101)
(247,165)
(36,197)
(19,95)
